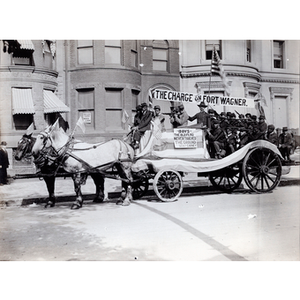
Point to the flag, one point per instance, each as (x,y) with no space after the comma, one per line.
(259,97)
(30,129)
(217,68)
(54,126)
(125,117)
(260,101)
(150,96)
(80,124)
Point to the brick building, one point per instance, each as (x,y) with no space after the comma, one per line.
(98,80)
(104,79)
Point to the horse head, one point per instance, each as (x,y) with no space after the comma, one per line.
(24,148)
(52,137)
(42,141)
(25,144)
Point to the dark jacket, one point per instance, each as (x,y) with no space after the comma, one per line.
(145,121)
(4,158)
(285,139)
(272,138)
(202,117)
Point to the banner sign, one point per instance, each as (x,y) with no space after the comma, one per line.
(211,100)
(185,138)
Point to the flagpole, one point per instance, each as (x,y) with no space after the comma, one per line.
(212,56)
(71,136)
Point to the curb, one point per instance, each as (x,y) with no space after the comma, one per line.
(192,188)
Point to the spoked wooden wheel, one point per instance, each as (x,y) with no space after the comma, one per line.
(140,188)
(262,170)
(168,185)
(227,179)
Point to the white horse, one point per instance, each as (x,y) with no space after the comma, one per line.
(81,159)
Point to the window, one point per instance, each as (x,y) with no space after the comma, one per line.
(22,121)
(22,108)
(113,108)
(134,102)
(134,54)
(113,52)
(23,57)
(85,52)
(278,49)
(160,55)
(248,51)
(47,54)
(86,107)
(252,95)
(209,47)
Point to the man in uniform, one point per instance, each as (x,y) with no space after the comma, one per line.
(202,116)
(262,128)
(216,140)
(174,111)
(285,143)
(272,135)
(182,117)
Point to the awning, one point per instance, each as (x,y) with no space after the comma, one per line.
(53,104)
(22,102)
(26,44)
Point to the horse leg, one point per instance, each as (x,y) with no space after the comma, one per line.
(50,182)
(123,193)
(127,186)
(78,179)
(99,183)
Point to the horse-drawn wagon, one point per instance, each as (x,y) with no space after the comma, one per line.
(164,158)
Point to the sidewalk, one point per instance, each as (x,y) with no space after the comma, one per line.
(27,191)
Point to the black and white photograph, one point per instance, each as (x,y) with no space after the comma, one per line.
(136,150)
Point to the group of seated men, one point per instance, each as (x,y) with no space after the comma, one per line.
(228,132)
(224,132)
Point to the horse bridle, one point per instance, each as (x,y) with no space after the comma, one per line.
(28,145)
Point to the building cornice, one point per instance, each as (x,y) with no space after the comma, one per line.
(29,69)
(255,76)
(280,80)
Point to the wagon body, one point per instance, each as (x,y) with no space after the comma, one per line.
(258,163)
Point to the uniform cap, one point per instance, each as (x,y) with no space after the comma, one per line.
(271,126)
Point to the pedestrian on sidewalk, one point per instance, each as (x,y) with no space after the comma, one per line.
(4,163)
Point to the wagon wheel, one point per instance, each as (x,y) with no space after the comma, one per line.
(140,187)
(262,170)
(227,179)
(168,185)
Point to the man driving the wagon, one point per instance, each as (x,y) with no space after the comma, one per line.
(143,125)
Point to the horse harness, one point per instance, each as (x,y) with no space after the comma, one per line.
(51,156)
